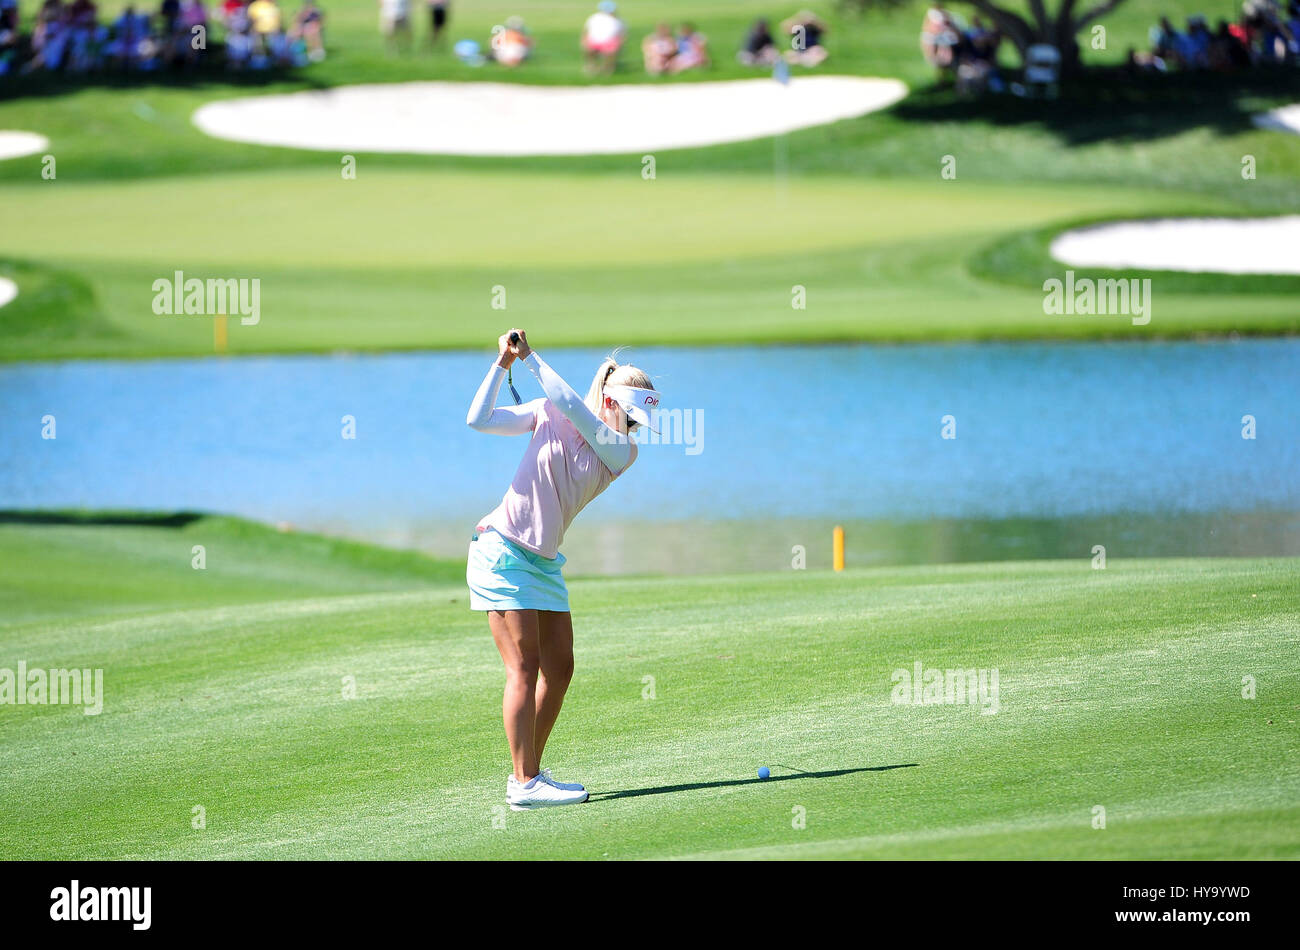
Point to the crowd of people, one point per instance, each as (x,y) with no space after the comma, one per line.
(966,54)
(69,37)
(664,51)
(1264,34)
(801,36)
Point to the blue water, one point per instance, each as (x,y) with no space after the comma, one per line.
(1043,430)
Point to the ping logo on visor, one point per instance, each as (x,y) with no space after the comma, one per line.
(636,402)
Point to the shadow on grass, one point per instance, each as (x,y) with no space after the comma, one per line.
(1112,104)
(727,783)
(205,76)
(178,519)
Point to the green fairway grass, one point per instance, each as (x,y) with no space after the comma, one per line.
(406,255)
(224,688)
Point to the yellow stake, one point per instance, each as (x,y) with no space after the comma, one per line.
(219,333)
(837,548)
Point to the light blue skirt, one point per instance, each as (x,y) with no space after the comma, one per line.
(503,576)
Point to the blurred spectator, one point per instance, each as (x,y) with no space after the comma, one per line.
(240,44)
(48,18)
(192,31)
(939,39)
(131,44)
(309,30)
(511,45)
(805,32)
(50,37)
(977,59)
(1227,53)
(1264,22)
(1165,41)
(83,42)
(279,49)
(265,17)
(1194,50)
(692,50)
(983,41)
(1238,30)
(658,49)
(8,34)
(395,23)
(438,11)
(759,48)
(602,38)
(168,13)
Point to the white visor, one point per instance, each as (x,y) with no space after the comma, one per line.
(637,403)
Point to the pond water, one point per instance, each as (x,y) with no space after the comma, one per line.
(1057,447)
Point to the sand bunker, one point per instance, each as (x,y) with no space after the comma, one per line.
(1216,245)
(443,118)
(1285,119)
(17,144)
(8,290)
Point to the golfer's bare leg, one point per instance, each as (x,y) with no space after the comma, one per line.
(515,633)
(555,639)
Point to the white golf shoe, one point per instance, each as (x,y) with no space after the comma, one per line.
(567,786)
(538,792)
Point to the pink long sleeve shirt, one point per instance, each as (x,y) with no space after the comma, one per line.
(565,465)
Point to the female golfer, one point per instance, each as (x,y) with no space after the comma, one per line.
(577,448)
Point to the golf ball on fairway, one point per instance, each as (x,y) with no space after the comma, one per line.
(764,771)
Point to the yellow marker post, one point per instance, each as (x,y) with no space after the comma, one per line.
(219,333)
(837,548)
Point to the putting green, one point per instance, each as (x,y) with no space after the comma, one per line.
(225,689)
(446,219)
(404,259)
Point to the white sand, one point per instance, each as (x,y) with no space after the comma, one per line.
(1285,119)
(18,144)
(1217,245)
(485,118)
(8,290)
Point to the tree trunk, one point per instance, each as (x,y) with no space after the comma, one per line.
(1060,30)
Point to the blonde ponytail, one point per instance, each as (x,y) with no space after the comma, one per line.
(596,394)
(610,372)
